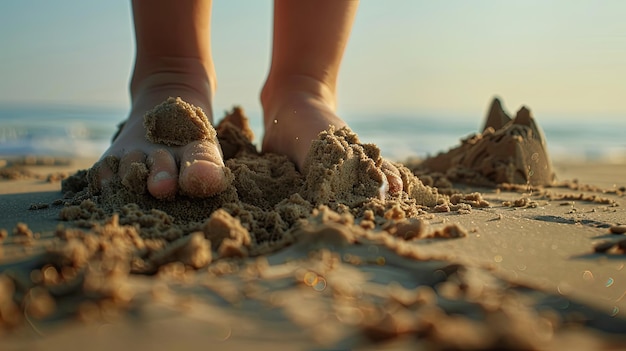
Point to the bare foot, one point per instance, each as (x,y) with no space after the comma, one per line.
(294,119)
(196,169)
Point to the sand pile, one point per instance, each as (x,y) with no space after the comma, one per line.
(507,151)
(268,201)
(269,204)
(177,123)
(348,272)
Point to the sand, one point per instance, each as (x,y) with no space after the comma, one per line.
(507,151)
(320,259)
(176,123)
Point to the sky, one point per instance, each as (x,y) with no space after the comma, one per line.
(562,58)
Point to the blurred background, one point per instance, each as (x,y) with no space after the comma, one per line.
(417,75)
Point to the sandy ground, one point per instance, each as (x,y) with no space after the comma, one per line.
(521,268)
(548,248)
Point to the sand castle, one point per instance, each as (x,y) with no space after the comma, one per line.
(508,150)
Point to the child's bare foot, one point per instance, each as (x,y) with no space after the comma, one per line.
(197,168)
(295,118)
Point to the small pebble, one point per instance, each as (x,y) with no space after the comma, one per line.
(618,229)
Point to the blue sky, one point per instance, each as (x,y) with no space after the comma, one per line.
(561,57)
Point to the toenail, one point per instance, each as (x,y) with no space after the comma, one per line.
(384,188)
(162,176)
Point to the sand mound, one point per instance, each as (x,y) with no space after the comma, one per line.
(175,123)
(352,275)
(507,151)
(268,202)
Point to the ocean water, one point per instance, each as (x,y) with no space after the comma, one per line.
(56,131)
(86,132)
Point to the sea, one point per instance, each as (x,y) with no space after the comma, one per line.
(70,131)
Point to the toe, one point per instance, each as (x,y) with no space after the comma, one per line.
(103,172)
(393,177)
(129,159)
(202,170)
(162,181)
(132,171)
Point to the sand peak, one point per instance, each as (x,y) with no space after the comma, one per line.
(175,122)
(514,153)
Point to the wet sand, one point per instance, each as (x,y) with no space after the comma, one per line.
(464,259)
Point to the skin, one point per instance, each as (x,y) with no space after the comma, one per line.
(299,97)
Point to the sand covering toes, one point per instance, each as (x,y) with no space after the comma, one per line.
(174,122)
(507,151)
(268,199)
(177,123)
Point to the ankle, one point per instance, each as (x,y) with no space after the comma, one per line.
(161,78)
(277,92)
(145,67)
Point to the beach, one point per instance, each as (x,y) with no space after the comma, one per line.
(451,263)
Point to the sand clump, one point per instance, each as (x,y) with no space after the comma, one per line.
(509,150)
(613,247)
(618,229)
(176,123)
(119,229)
(268,200)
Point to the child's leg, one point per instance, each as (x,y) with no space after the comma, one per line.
(173,59)
(299,96)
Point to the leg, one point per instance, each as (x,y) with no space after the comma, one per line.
(299,96)
(173,59)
